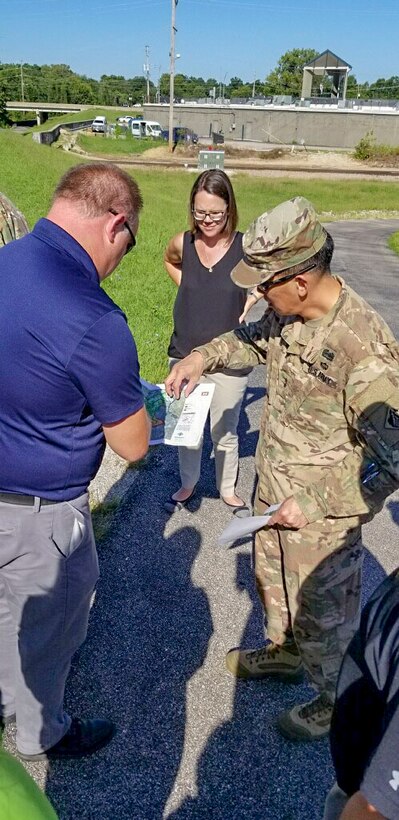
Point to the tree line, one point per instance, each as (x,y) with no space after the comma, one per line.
(58,83)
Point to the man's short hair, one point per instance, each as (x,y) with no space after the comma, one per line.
(321,260)
(99,187)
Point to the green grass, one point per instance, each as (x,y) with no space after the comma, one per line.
(119,146)
(29,173)
(393,242)
(87,114)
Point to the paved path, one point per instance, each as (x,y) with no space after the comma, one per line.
(192,742)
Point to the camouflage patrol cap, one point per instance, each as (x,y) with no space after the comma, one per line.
(277,240)
(13,224)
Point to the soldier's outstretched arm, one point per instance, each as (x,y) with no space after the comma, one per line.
(243,347)
(185,374)
(361,482)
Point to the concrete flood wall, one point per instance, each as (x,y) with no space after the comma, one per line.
(52,134)
(321,128)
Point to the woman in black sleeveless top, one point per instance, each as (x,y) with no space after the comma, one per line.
(207,304)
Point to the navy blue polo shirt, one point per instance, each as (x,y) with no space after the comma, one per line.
(68,365)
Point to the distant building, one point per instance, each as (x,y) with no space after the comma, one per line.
(327,64)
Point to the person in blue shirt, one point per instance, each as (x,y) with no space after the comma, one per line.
(69,383)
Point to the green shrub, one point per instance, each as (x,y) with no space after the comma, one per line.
(366,146)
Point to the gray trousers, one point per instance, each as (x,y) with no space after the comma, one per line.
(48,570)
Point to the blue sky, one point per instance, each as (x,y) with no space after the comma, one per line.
(216,38)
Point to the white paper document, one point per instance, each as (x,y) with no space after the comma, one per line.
(177,421)
(239,527)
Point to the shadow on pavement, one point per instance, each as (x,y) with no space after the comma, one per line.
(248,770)
(149,631)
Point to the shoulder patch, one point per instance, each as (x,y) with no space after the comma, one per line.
(328,354)
(392,419)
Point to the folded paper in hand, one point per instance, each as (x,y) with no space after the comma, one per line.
(239,527)
(177,421)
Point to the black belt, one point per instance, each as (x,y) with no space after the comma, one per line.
(23,500)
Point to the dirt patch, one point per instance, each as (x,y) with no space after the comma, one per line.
(289,158)
(384,161)
(161,152)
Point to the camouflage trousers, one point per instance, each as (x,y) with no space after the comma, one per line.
(309,582)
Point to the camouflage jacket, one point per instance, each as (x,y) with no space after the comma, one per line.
(13,224)
(329,432)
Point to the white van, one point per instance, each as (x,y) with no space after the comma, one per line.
(145,128)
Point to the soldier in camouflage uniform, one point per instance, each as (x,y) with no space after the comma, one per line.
(13,224)
(328,449)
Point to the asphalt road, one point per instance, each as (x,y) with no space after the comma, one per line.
(192,742)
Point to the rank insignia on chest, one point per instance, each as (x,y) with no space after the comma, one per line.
(392,419)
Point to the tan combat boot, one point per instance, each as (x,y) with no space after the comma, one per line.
(309,721)
(280,662)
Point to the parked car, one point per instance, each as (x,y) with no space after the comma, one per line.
(124,122)
(99,125)
(180,134)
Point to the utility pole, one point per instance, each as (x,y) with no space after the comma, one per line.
(146,68)
(173,31)
(223,88)
(22,83)
(253,87)
(158,93)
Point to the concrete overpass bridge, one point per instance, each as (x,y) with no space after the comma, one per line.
(43,109)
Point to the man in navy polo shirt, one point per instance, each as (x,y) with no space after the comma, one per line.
(69,382)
